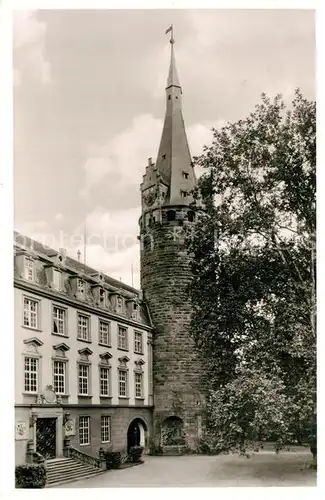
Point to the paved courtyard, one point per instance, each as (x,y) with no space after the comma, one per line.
(262,469)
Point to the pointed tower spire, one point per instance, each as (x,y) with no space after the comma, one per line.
(172,79)
(174,159)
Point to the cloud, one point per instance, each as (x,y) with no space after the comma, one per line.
(118,265)
(29,48)
(122,161)
(124,158)
(33,229)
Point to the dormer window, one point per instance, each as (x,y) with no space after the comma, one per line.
(119,304)
(102,297)
(29,268)
(80,286)
(57,277)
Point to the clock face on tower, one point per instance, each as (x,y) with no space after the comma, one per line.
(149,197)
(154,195)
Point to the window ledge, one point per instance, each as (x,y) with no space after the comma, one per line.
(60,335)
(123,397)
(104,345)
(83,340)
(85,396)
(31,328)
(138,352)
(140,398)
(123,349)
(106,442)
(105,397)
(85,444)
(30,393)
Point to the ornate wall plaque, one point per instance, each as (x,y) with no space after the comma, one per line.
(22,431)
(70,427)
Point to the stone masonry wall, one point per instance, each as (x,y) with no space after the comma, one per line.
(165,275)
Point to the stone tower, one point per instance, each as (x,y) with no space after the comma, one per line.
(165,274)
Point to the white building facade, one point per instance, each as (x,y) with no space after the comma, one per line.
(83,357)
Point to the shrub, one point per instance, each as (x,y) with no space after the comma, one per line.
(154,449)
(113,459)
(135,454)
(30,476)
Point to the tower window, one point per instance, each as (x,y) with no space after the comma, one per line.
(184,194)
(169,97)
(164,157)
(171,215)
(190,216)
(185,175)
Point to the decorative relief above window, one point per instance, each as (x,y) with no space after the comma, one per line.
(33,344)
(123,361)
(84,354)
(105,357)
(139,364)
(60,350)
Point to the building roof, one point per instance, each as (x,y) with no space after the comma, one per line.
(48,254)
(24,241)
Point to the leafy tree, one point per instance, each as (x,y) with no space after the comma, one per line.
(254,286)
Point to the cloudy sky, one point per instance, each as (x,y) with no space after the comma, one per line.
(89,103)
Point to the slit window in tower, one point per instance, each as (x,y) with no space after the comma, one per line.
(190,216)
(184,194)
(169,97)
(185,175)
(164,157)
(171,215)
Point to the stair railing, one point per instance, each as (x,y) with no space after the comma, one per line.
(83,457)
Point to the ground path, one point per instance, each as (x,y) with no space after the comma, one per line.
(262,469)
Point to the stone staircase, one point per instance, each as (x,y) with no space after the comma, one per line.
(64,470)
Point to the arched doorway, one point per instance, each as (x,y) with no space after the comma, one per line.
(137,432)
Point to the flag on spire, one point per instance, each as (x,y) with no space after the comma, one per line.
(170,30)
